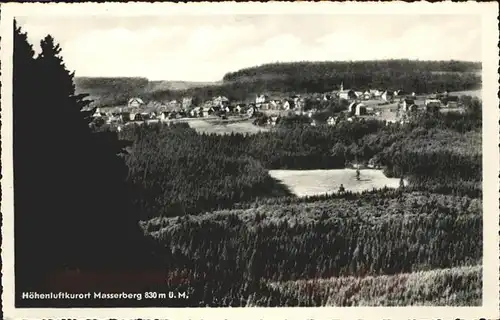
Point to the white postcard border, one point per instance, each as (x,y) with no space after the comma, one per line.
(488,11)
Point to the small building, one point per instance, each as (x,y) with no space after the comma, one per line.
(226,109)
(262,99)
(125,116)
(331,121)
(408,104)
(135,103)
(366,95)
(251,111)
(138,117)
(207,111)
(98,113)
(275,104)
(263,106)
(400,93)
(239,108)
(164,115)
(187,102)
(173,105)
(288,105)
(450,101)
(432,105)
(220,101)
(375,93)
(195,112)
(347,94)
(360,109)
(387,96)
(273,120)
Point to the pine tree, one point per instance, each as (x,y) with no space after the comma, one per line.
(71,197)
(26,146)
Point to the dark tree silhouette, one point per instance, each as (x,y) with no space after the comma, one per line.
(71,209)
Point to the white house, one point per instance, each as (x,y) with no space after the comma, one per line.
(250,111)
(273,120)
(367,95)
(135,103)
(375,93)
(261,99)
(97,113)
(220,102)
(331,121)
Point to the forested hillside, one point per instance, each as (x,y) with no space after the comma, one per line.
(324,69)
(232,256)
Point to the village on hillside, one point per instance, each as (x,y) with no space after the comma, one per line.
(267,110)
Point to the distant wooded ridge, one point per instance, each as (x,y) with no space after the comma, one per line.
(330,68)
(294,77)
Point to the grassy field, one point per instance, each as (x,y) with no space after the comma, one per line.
(460,286)
(219,127)
(316,182)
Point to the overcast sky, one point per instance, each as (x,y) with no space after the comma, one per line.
(204,48)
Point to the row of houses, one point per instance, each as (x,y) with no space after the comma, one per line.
(136,102)
(137,114)
(385,95)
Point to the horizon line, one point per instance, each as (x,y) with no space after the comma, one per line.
(270,63)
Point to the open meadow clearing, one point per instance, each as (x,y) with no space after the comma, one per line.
(219,127)
(444,287)
(317,182)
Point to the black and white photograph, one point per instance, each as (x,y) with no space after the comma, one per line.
(267,156)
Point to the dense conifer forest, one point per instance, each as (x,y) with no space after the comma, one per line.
(203,211)
(175,170)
